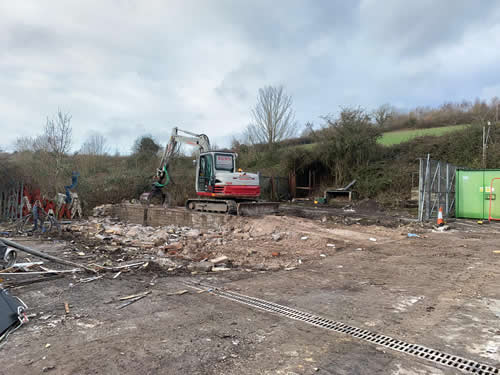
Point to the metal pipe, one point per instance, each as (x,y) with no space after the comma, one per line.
(44,256)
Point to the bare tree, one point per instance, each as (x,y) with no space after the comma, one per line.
(308,129)
(58,133)
(383,114)
(23,144)
(273,117)
(95,145)
(41,143)
(55,141)
(482,113)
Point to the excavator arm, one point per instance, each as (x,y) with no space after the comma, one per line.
(162,178)
(199,140)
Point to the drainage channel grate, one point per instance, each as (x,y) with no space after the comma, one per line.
(453,361)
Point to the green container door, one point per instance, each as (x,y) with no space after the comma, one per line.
(472,194)
(469,197)
(489,176)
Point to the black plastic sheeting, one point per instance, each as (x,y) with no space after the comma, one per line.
(11,311)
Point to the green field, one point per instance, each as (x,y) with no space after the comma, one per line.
(399,136)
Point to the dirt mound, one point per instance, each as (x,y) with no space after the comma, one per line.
(369,205)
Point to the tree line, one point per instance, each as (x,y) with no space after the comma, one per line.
(345,147)
(273,117)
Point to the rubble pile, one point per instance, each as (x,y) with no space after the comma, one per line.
(171,247)
(103,210)
(251,244)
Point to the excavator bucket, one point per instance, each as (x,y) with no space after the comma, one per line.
(145,198)
(257,208)
(155,197)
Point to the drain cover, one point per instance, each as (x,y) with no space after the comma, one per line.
(436,356)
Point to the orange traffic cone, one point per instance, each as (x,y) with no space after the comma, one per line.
(440,221)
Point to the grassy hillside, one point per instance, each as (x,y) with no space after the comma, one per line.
(399,136)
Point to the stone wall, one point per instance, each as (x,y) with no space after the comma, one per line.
(159,216)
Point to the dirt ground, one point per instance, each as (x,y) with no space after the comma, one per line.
(439,290)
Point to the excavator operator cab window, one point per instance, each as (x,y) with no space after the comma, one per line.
(224,162)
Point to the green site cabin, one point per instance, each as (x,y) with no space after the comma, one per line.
(473,190)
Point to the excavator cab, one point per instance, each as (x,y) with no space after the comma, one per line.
(205,172)
(220,187)
(210,165)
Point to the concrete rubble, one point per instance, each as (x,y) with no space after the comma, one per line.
(251,244)
(171,247)
(245,243)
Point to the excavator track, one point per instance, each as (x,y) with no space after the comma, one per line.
(232,207)
(212,205)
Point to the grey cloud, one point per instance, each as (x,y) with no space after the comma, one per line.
(33,37)
(199,65)
(413,28)
(235,83)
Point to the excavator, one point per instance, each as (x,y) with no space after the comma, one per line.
(220,186)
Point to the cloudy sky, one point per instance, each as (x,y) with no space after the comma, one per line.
(127,68)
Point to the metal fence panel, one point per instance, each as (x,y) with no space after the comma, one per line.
(274,188)
(11,202)
(436,188)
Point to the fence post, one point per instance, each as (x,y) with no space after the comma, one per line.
(447,198)
(21,201)
(273,191)
(292,184)
(5,204)
(439,185)
(427,188)
(420,187)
